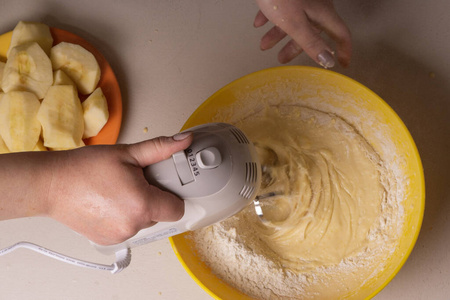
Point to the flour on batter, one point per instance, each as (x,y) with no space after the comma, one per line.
(327,233)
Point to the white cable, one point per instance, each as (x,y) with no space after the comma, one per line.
(123,257)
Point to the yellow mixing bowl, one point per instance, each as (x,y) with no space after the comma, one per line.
(331,92)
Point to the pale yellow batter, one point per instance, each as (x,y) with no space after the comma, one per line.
(324,234)
(331,183)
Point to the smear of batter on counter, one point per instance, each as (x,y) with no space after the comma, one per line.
(328,233)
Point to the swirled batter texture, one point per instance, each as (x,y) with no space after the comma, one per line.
(323,235)
(330,180)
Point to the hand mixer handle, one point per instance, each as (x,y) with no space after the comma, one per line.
(172,174)
(216,176)
(158,231)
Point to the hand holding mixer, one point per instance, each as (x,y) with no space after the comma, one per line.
(217,176)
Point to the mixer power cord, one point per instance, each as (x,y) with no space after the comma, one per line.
(123,257)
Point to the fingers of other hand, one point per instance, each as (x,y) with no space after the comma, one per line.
(304,35)
(335,27)
(272,37)
(304,27)
(260,19)
(290,51)
(307,35)
(323,15)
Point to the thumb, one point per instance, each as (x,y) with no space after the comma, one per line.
(152,151)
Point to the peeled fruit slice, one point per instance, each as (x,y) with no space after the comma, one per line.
(61,78)
(81,144)
(78,63)
(2,67)
(26,32)
(28,68)
(19,126)
(96,113)
(61,117)
(40,146)
(3,147)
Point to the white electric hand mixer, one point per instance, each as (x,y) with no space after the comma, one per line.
(217,176)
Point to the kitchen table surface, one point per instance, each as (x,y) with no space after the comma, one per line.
(169,56)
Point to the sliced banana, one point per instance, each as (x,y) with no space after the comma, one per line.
(28,68)
(95,110)
(78,63)
(19,126)
(61,117)
(26,32)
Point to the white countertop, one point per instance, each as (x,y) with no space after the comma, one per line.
(170,56)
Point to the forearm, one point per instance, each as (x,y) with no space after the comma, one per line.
(25,179)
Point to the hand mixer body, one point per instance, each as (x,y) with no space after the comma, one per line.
(217,176)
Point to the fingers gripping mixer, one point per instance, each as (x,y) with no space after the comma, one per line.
(217,176)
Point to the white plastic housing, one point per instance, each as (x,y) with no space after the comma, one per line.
(217,176)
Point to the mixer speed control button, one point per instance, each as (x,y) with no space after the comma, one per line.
(182,167)
(209,158)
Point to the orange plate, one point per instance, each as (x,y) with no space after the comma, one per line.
(108,83)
